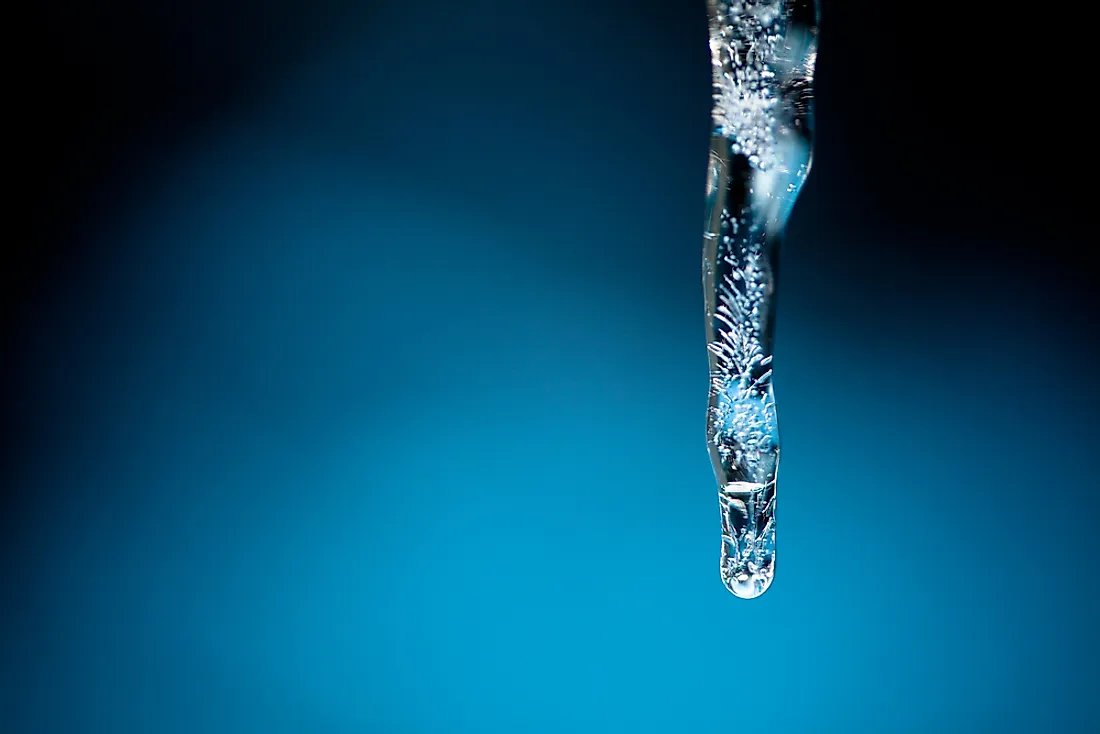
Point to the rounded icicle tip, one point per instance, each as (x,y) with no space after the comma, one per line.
(748,537)
(750,587)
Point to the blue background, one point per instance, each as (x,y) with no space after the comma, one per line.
(356,383)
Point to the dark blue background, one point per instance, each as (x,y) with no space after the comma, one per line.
(354,382)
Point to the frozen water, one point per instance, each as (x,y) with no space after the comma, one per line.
(763,54)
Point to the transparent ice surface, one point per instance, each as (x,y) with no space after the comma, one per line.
(763,54)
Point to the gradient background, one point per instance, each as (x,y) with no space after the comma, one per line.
(354,381)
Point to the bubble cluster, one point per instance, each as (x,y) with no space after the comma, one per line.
(742,410)
(763,68)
